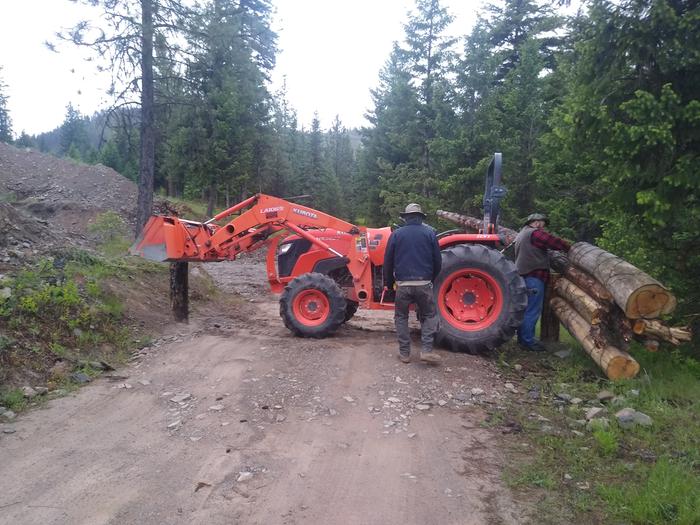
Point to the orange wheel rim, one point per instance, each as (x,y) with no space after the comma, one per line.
(470,299)
(311,307)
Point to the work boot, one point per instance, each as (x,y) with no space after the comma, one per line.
(534,347)
(404,358)
(430,357)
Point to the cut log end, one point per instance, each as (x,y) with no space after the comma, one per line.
(622,367)
(649,302)
(655,328)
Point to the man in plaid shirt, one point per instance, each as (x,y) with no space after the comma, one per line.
(532,262)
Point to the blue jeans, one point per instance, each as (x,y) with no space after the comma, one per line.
(535,298)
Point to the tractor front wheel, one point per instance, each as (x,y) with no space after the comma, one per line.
(350,309)
(480,298)
(312,305)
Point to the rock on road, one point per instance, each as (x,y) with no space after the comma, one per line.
(232,420)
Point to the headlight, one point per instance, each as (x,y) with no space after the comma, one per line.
(284,248)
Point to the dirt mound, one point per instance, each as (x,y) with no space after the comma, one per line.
(46,202)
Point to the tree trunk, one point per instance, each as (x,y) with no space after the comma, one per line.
(475,225)
(172,188)
(179,286)
(615,363)
(590,309)
(639,295)
(211,200)
(549,323)
(655,328)
(144,206)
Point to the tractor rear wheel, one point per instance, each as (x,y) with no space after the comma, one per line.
(480,298)
(312,305)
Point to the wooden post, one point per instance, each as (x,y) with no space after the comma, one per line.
(549,323)
(179,300)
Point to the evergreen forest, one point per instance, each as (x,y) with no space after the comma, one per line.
(597,115)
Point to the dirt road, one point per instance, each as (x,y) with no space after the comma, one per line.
(233,420)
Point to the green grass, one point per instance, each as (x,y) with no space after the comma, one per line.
(69,306)
(62,308)
(535,475)
(610,475)
(665,492)
(110,232)
(13,399)
(8,197)
(606,441)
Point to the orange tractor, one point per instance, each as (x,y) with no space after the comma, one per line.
(326,268)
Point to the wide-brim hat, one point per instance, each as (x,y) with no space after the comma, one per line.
(536,217)
(413,209)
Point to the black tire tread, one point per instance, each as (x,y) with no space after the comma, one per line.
(350,309)
(514,296)
(336,300)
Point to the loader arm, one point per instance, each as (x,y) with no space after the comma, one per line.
(259,218)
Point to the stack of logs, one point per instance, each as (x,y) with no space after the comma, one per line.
(604,302)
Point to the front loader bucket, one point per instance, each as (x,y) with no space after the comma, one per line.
(162,239)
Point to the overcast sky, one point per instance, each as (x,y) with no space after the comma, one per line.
(331,52)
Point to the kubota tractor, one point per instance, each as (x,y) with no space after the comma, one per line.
(326,268)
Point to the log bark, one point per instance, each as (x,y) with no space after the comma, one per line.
(619,327)
(179,296)
(590,309)
(147,159)
(560,263)
(638,294)
(653,327)
(614,362)
(474,224)
(549,323)
(589,284)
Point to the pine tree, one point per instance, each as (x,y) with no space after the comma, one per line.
(342,165)
(280,177)
(504,100)
(73,135)
(408,149)
(5,120)
(623,154)
(428,55)
(25,140)
(230,106)
(394,138)
(125,38)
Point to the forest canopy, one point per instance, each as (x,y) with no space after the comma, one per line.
(597,116)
